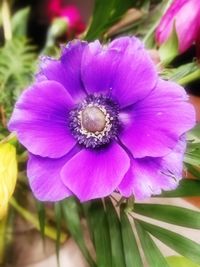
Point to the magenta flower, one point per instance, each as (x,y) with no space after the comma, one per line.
(185,14)
(100,120)
(70,13)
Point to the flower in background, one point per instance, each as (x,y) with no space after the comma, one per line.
(69,13)
(100,120)
(8,175)
(185,15)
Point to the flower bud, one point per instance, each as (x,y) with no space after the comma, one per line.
(185,16)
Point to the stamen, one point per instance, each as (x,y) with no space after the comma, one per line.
(95,121)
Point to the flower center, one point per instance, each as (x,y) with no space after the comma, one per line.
(94,122)
(93,119)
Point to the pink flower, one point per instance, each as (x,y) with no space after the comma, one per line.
(68,12)
(185,15)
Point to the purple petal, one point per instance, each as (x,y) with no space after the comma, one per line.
(40,120)
(98,67)
(123,68)
(153,126)
(67,69)
(44,177)
(149,176)
(95,173)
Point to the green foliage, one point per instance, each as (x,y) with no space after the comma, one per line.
(114,236)
(152,253)
(19,22)
(17,64)
(105,14)
(170,49)
(176,261)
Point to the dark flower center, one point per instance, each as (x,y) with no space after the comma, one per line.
(94,122)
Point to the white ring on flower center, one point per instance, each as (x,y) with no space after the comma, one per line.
(95,121)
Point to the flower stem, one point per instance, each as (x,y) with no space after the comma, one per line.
(49,231)
(5,10)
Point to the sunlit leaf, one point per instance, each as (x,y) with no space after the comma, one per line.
(177,261)
(8,175)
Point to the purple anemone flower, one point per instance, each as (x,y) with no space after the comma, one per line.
(100,120)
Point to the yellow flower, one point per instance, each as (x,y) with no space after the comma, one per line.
(8,175)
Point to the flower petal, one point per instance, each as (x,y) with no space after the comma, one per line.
(67,69)
(153,126)
(95,173)
(149,176)
(44,177)
(40,119)
(123,68)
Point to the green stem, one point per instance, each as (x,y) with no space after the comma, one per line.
(49,231)
(5,10)
(190,77)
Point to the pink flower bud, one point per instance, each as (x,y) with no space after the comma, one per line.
(55,9)
(185,15)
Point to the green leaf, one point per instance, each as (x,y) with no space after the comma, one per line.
(41,217)
(73,221)
(104,15)
(58,217)
(171,214)
(131,251)
(99,227)
(115,235)
(169,50)
(177,261)
(186,188)
(17,64)
(19,22)
(178,243)
(151,251)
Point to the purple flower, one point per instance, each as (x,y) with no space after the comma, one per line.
(100,120)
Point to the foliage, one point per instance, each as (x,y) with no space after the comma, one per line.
(17,59)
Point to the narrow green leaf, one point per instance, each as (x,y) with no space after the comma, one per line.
(171,214)
(178,243)
(186,188)
(100,229)
(169,50)
(131,251)
(19,22)
(105,14)
(151,251)
(41,217)
(177,261)
(117,252)
(58,217)
(72,218)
